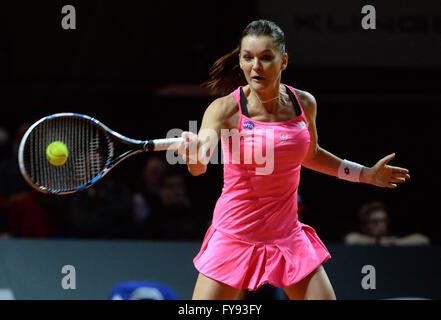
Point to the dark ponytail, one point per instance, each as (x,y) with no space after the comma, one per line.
(225,74)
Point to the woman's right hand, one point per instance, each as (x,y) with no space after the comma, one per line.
(188,148)
(197,149)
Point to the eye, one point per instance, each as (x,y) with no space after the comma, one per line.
(247,58)
(267,57)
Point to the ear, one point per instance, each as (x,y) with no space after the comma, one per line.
(284,61)
(240,63)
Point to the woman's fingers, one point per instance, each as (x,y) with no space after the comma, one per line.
(188,148)
(391,185)
(400,175)
(398,169)
(386,159)
(389,176)
(398,180)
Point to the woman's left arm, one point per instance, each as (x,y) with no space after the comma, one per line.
(321,160)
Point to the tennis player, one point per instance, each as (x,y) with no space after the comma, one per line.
(255,236)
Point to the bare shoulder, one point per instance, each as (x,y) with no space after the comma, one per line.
(307,101)
(224,110)
(225,104)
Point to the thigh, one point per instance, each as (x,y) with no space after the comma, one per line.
(316,286)
(209,289)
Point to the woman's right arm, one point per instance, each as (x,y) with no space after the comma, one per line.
(196,150)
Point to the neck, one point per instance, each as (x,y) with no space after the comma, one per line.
(266,101)
(270,100)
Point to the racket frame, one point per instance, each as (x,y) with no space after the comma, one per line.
(140,146)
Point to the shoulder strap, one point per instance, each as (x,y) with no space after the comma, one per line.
(294,101)
(243,103)
(244,109)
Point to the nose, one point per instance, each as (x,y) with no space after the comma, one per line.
(256,64)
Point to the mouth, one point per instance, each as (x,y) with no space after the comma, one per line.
(257,78)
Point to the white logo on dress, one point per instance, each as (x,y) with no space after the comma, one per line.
(284,138)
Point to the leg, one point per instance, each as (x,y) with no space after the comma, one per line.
(316,286)
(209,289)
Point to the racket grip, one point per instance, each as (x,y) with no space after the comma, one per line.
(162,144)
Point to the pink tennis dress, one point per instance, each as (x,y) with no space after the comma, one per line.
(255,236)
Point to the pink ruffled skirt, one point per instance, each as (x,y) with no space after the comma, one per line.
(244,264)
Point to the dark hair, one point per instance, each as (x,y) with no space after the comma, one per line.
(173,172)
(368,208)
(225,73)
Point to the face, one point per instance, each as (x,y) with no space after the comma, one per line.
(377,224)
(261,62)
(153,171)
(173,191)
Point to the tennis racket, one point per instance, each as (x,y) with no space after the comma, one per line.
(93,150)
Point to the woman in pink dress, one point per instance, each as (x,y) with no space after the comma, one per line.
(255,236)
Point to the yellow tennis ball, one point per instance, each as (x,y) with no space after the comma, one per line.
(57,153)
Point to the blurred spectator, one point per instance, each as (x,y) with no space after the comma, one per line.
(4,141)
(37,215)
(25,212)
(12,184)
(102,211)
(149,194)
(142,290)
(173,216)
(153,172)
(374,221)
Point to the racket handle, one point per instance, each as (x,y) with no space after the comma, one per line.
(161,144)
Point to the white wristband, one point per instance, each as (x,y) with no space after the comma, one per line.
(350,171)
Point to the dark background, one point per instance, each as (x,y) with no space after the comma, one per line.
(112,66)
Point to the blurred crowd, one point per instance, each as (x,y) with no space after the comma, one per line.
(159,209)
(374,229)
(158,206)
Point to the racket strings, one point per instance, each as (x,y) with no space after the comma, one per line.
(95,154)
(89,149)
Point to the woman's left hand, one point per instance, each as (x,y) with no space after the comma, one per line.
(382,175)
